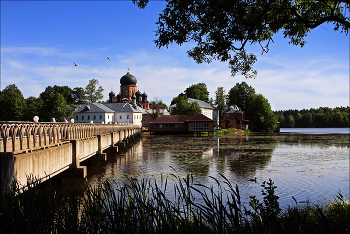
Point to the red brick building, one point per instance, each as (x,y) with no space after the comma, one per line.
(233,117)
(129,91)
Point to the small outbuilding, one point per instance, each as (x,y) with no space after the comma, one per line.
(182,123)
(208,110)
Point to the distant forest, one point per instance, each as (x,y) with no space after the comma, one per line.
(323,117)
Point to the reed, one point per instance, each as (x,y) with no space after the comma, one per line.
(142,206)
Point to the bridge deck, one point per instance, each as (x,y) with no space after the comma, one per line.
(25,137)
(47,149)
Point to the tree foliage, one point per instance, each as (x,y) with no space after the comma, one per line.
(12,104)
(54,106)
(240,95)
(65,91)
(93,91)
(323,117)
(157,106)
(54,103)
(51,103)
(34,107)
(256,107)
(289,120)
(222,29)
(220,98)
(177,99)
(198,91)
(261,117)
(183,107)
(79,96)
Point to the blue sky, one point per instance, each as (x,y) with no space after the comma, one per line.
(40,41)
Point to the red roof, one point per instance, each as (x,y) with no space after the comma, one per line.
(199,118)
(181,118)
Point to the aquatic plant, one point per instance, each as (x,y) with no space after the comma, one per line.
(144,206)
(232,131)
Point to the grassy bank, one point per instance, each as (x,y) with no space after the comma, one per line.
(232,132)
(142,206)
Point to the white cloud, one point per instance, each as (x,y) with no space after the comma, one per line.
(29,50)
(286,83)
(304,84)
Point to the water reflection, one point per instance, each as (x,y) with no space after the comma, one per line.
(304,166)
(245,155)
(319,140)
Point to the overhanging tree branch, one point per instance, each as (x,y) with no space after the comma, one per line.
(223,28)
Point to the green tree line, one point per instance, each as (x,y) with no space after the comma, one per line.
(323,117)
(55,102)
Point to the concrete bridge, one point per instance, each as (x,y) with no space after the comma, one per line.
(44,150)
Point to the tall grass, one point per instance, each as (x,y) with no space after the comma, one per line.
(142,206)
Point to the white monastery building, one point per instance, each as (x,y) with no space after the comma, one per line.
(110,113)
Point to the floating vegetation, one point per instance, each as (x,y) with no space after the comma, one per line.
(306,166)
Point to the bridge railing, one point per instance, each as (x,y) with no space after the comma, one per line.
(21,137)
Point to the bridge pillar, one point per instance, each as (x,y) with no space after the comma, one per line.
(100,151)
(75,169)
(114,140)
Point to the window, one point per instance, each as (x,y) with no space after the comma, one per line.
(169,125)
(108,116)
(126,93)
(127,116)
(94,116)
(76,117)
(88,116)
(100,116)
(82,117)
(120,117)
(200,126)
(158,125)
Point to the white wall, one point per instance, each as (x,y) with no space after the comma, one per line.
(134,118)
(95,117)
(207,112)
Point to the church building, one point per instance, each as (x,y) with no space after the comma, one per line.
(129,92)
(126,108)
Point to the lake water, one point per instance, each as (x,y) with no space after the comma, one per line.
(309,167)
(317,130)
